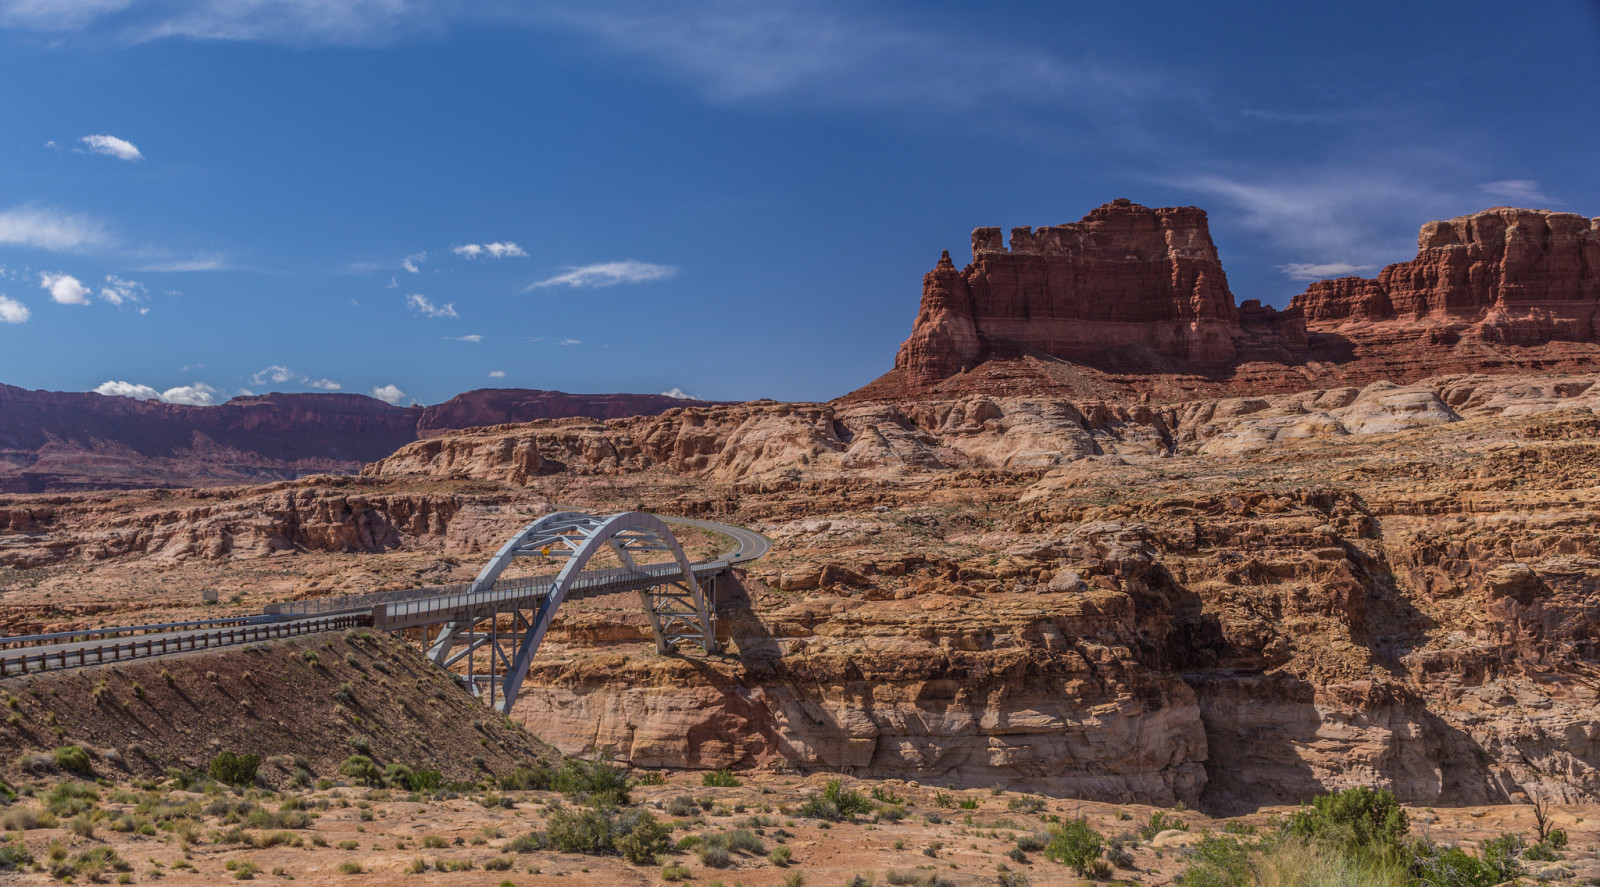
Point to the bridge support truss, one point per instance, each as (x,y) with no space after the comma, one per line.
(512,629)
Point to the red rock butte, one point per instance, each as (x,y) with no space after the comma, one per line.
(1135,300)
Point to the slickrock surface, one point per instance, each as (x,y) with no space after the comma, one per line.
(1230,602)
(53,441)
(1132,302)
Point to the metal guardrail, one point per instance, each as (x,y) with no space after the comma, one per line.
(28,640)
(24,662)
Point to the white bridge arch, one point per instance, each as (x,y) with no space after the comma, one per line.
(671,596)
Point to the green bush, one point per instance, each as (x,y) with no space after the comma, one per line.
(1073,843)
(69,799)
(587,830)
(234,769)
(1454,867)
(14,856)
(528,843)
(1557,838)
(720,779)
(835,803)
(362,770)
(1362,822)
(1218,862)
(1160,822)
(597,783)
(73,759)
(525,778)
(647,839)
(682,805)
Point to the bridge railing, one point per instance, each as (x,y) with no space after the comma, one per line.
(58,637)
(123,649)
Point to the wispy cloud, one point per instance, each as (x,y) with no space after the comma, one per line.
(198,394)
(121,292)
(678,393)
(64,288)
(1523,191)
(111,146)
(12,311)
(423,306)
(493,374)
(608,274)
(411,262)
(492,250)
(186,266)
(276,374)
(1304,271)
(324,384)
(474,338)
(48,229)
(570,342)
(389,394)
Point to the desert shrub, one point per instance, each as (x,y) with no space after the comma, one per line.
(20,819)
(1025,804)
(720,779)
(1218,862)
(1032,842)
(91,864)
(598,783)
(1541,852)
(714,856)
(1454,867)
(351,867)
(780,856)
(14,857)
(234,769)
(682,805)
(886,795)
(835,803)
(70,799)
(1074,843)
(587,830)
(1161,822)
(528,843)
(1360,821)
(743,840)
(73,759)
(361,769)
(497,864)
(647,839)
(243,869)
(1118,855)
(1557,838)
(524,778)
(675,873)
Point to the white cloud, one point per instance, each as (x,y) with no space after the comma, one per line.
(571,342)
(678,393)
(276,374)
(1303,271)
(411,262)
(119,292)
(325,384)
(472,338)
(12,311)
(420,304)
(111,146)
(48,229)
(197,395)
(493,374)
(1524,191)
(496,250)
(64,288)
(608,274)
(394,283)
(389,394)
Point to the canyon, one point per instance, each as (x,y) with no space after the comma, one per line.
(1101,534)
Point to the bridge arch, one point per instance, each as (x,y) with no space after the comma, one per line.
(671,598)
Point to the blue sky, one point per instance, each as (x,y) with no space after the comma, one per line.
(415,198)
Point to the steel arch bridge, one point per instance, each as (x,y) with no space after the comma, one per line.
(503,620)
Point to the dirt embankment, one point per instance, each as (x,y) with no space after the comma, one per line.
(321,698)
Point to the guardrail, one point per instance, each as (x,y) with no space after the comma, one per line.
(27,640)
(23,662)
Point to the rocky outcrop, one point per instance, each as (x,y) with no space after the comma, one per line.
(53,441)
(1128,286)
(1505,275)
(1132,302)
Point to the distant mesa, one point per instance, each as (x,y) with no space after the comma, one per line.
(1134,299)
(55,441)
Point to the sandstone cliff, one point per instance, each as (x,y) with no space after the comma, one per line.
(1128,286)
(1133,302)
